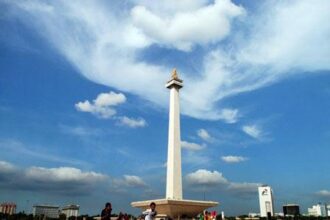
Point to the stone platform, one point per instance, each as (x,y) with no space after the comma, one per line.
(175,209)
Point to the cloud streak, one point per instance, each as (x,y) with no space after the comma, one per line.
(192,146)
(36,152)
(202,133)
(323,193)
(253,131)
(233,159)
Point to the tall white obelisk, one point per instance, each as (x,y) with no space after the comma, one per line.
(174,177)
(174,206)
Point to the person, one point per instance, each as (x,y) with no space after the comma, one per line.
(150,213)
(206,215)
(120,216)
(213,215)
(201,216)
(106,212)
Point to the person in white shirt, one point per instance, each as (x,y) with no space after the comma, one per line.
(150,213)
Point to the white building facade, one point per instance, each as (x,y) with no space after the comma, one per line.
(318,210)
(49,211)
(266,201)
(71,210)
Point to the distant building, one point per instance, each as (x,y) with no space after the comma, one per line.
(71,210)
(318,210)
(291,210)
(49,211)
(253,215)
(266,201)
(279,214)
(8,208)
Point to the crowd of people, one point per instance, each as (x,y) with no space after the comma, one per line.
(208,215)
(150,213)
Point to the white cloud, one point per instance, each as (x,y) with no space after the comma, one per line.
(284,38)
(233,159)
(64,180)
(323,193)
(132,122)
(192,146)
(284,42)
(109,99)
(103,105)
(253,131)
(127,181)
(206,180)
(229,115)
(134,181)
(183,29)
(205,177)
(63,174)
(202,133)
(6,167)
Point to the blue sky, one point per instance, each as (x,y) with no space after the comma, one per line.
(84,109)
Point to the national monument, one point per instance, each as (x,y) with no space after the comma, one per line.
(174,206)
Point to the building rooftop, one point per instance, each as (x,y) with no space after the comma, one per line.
(71,207)
(46,205)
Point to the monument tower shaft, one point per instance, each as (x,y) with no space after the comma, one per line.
(174,206)
(174,177)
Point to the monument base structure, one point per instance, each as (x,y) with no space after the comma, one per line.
(175,209)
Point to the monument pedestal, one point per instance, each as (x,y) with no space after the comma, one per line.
(175,209)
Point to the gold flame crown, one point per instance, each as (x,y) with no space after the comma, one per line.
(174,74)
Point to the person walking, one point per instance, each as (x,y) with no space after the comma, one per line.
(106,212)
(150,213)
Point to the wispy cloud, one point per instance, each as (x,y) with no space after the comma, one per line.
(233,159)
(276,46)
(202,133)
(80,131)
(6,167)
(123,152)
(229,115)
(20,148)
(127,181)
(192,146)
(323,193)
(132,122)
(134,181)
(244,189)
(253,131)
(196,158)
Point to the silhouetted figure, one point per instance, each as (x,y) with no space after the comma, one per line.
(106,212)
